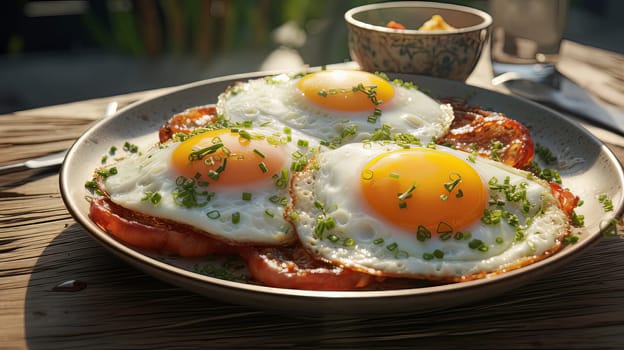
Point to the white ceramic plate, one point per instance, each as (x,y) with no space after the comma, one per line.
(598,173)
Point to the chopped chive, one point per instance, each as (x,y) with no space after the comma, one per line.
(450,186)
(244,134)
(392,246)
(378,241)
(130,147)
(422,233)
(260,154)
(91,185)
(201,153)
(235,218)
(246,196)
(107,172)
(221,167)
(446,236)
(407,193)
(438,253)
(268,213)
(330,223)
(156,198)
(302,143)
(349,242)
(475,244)
(213,214)
(571,239)
(401,254)
(263,167)
(226,151)
(213,175)
(443,227)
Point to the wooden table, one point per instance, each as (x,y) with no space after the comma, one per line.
(41,247)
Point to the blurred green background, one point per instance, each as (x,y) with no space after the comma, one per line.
(60,51)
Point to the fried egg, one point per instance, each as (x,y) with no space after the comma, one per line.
(438,214)
(229,183)
(338,106)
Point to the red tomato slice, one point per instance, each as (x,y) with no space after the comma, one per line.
(187,121)
(293,267)
(490,134)
(153,234)
(567,200)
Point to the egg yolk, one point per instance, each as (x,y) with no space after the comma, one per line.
(227,158)
(345,90)
(423,191)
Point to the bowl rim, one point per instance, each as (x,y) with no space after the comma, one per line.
(487,19)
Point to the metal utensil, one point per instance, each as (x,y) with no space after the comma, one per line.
(50,160)
(562,93)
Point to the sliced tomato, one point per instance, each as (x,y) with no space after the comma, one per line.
(153,234)
(490,134)
(567,200)
(187,121)
(293,267)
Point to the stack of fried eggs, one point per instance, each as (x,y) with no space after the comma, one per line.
(345,164)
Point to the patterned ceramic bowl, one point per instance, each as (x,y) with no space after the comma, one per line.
(450,54)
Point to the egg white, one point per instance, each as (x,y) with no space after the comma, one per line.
(277,98)
(261,218)
(360,240)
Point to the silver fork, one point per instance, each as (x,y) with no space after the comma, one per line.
(50,160)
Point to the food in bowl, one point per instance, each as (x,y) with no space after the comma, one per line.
(303,211)
(435,23)
(449,54)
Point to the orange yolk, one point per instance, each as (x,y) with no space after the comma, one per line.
(335,90)
(423,188)
(225,158)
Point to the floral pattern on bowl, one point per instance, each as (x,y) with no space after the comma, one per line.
(451,56)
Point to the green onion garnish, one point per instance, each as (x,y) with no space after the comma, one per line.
(260,154)
(235,218)
(407,193)
(263,167)
(213,214)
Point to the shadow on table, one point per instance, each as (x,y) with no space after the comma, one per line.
(105,303)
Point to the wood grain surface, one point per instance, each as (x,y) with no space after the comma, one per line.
(60,290)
